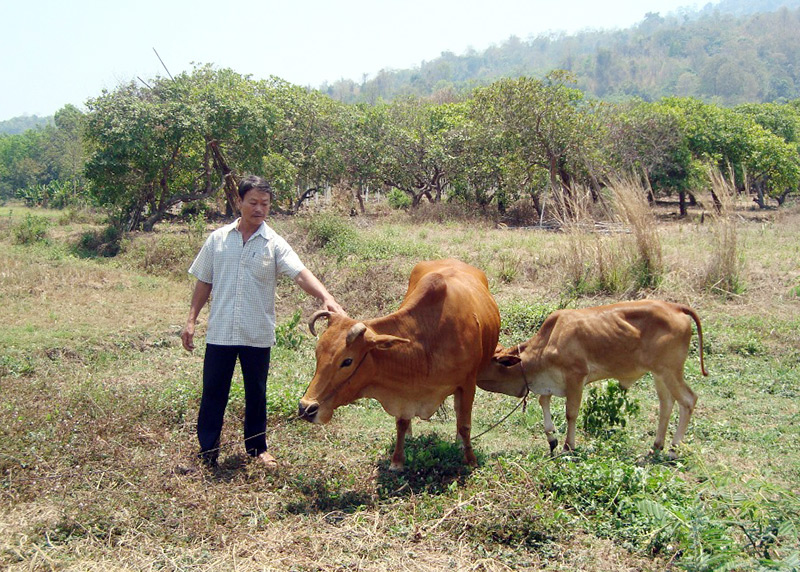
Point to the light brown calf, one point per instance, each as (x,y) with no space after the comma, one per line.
(622,341)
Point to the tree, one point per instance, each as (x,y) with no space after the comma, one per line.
(541,124)
(413,147)
(648,139)
(154,147)
(726,139)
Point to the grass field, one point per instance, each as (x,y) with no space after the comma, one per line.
(97,443)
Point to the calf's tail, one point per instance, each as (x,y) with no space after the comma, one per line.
(689,312)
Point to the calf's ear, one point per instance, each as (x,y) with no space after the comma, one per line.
(506,360)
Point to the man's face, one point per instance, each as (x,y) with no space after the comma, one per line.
(255,206)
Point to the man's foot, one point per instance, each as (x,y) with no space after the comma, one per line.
(268,461)
(208,460)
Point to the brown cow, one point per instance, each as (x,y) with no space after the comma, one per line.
(621,341)
(433,346)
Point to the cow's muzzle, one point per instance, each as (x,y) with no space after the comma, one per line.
(308,411)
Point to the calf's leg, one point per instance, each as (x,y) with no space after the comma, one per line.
(574,396)
(686,399)
(549,428)
(665,403)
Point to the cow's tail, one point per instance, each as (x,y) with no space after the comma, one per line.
(689,312)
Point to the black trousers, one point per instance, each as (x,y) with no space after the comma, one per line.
(218,366)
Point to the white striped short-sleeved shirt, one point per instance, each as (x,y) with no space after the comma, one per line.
(243,279)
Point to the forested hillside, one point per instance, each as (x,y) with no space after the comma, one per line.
(147,149)
(23,123)
(728,53)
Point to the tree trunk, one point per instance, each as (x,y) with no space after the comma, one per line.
(229,178)
(304,197)
(360,199)
(759,198)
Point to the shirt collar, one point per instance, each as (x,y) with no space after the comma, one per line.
(262,230)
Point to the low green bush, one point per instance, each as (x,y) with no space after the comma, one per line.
(104,243)
(397,199)
(31,229)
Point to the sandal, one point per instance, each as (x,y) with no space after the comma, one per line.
(267,460)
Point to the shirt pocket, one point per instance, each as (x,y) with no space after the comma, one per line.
(261,264)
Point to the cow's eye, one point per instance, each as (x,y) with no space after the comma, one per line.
(347,362)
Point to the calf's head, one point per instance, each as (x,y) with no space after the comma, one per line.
(345,365)
(504,373)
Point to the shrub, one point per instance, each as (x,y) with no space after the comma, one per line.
(162,255)
(104,242)
(286,334)
(31,229)
(607,408)
(397,199)
(332,233)
(520,321)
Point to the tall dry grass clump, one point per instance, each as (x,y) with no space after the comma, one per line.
(588,258)
(724,271)
(613,246)
(630,204)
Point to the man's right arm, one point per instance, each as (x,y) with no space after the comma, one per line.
(202,291)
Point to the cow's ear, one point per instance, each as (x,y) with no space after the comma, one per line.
(506,360)
(386,342)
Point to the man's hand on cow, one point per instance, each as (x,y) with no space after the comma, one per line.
(332,305)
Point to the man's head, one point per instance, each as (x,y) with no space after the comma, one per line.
(255,198)
(254,182)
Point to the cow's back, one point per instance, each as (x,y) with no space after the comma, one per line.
(450,313)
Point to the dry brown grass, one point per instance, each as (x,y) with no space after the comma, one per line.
(97,441)
(724,269)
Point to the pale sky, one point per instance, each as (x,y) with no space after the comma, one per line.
(54,52)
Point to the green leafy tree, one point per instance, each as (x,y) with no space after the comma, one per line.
(413,144)
(147,149)
(26,161)
(307,135)
(648,139)
(727,139)
(543,126)
(155,146)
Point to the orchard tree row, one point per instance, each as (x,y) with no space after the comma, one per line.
(144,149)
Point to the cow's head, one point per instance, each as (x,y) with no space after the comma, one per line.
(504,373)
(345,365)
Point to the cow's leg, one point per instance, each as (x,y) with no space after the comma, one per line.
(574,394)
(549,428)
(462,402)
(665,403)
(399,455)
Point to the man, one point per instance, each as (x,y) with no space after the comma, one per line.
(238,267)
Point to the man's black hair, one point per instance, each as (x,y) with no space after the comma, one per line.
(251,182)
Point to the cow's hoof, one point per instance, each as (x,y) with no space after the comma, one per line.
(396,467)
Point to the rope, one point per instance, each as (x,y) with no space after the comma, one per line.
(523,402)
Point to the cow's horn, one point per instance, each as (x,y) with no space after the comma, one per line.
(357,329)
(317,315)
